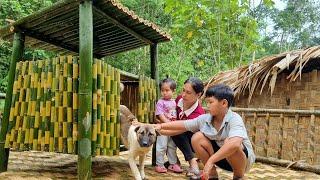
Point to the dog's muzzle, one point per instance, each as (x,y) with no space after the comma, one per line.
(145,141)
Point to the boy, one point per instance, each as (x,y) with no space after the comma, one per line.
(221,138)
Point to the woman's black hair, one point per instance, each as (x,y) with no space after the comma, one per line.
(171,82)
(221,91)
(196,83)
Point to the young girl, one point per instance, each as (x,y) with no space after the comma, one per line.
(166,112)
(220,137)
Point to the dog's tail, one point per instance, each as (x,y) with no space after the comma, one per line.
(126,112)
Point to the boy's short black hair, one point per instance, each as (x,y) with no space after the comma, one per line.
(221,91)
(171,82)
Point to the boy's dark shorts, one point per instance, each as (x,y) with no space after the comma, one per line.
(224,164)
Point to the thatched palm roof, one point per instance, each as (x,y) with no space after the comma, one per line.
(264,72)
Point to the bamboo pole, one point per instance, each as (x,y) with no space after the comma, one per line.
(85,89)
(17,53)
(291,164)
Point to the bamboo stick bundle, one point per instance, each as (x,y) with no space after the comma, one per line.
(108,111)
(11,132)
(24,108)
(113,110)
(37,131)
(146,99)
(94,107)
(41,134)
(17,106)
(48,122)
(75,87)
(69,105)
(62,103)
(99,105)
(117,111)
(141,99)
(54,112)
(57,105)
(21,107)
(103,109)
(47,103)
(65,106)
(32,102)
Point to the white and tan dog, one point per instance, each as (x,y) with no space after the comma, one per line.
(138,139)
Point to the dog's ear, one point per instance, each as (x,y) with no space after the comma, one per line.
(137,129)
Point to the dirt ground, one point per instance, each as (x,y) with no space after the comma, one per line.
(44,165)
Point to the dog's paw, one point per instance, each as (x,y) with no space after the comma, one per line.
(145,178)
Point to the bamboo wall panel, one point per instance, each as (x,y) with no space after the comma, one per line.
(130,96)
(44,111)
(140,98)
(293,137)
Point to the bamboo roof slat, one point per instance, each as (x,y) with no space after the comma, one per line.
(113,24)
(266,70)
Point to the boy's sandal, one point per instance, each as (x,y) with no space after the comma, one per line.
(237,178)
(193,171)
(199,177)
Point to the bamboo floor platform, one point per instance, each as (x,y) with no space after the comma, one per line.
(43,165)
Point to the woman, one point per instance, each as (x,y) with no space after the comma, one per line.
(189,107)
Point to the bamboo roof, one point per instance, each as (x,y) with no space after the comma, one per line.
(115,29)
(264,72)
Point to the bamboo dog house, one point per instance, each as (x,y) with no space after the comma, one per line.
(92,29)
(279,100)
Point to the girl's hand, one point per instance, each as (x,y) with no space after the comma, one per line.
(157,127)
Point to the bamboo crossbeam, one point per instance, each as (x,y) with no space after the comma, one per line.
(285,111)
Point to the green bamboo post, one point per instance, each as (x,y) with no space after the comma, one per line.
(17,53)
(85,89)
(155,76)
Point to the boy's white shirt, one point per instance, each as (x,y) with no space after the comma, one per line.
(203,123)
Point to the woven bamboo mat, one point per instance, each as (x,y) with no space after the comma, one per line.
(44,165)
